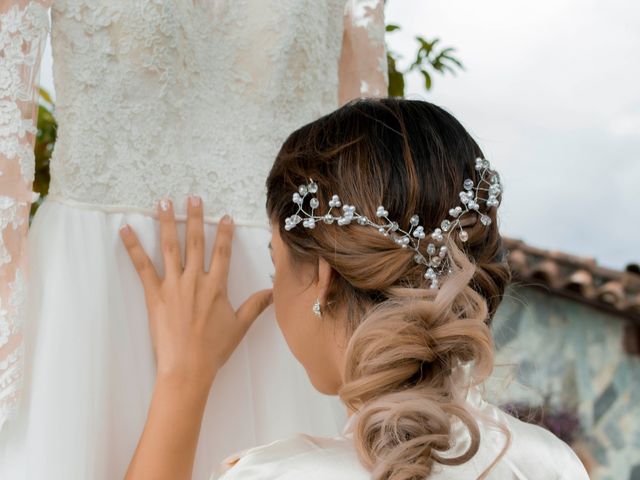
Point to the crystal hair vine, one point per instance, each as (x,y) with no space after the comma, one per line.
(437,257)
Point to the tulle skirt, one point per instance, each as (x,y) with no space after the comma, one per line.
(89,367)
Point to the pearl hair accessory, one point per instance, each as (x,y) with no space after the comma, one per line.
(437,258)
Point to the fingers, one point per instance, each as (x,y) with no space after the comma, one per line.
(221,256)
(140,259)
(253,307)
(194,252)
(169,238)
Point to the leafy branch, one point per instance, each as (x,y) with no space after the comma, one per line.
(429,59)
(45,139)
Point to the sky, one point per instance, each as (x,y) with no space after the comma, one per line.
(550,92)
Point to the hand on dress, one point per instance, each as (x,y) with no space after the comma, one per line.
(193,326)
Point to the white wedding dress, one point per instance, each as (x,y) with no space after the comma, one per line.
(154,98)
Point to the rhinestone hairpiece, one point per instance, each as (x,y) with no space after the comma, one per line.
(437,259)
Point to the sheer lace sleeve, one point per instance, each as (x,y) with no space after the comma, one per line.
(23,29)
(363,62)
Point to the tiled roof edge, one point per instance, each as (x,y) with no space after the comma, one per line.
(575,277)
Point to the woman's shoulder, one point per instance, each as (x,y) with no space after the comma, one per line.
(295,457)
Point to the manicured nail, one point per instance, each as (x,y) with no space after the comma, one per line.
(195,200)
(125,229)
(227,219)
(165,204)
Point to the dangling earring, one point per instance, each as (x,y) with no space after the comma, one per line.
(316,308)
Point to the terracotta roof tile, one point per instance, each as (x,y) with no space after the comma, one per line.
(548,271)
(612,292)
(579,278)
(581,281)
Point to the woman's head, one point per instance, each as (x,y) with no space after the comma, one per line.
(385,342)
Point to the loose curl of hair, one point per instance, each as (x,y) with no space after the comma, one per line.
(405,339)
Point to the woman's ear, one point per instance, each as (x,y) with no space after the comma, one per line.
(324,279)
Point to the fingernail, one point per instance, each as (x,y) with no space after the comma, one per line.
(227,219)
(125,229)
(195,200)
(165,204)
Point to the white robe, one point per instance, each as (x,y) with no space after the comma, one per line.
(534,454)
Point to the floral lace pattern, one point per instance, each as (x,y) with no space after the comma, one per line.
(148,107)
(164,98)
(23,30)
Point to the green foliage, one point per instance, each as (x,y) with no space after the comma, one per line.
(428,60)
(45,139)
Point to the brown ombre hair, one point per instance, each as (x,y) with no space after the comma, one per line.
(405,340)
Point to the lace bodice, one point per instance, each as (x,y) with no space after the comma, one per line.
(166,97)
